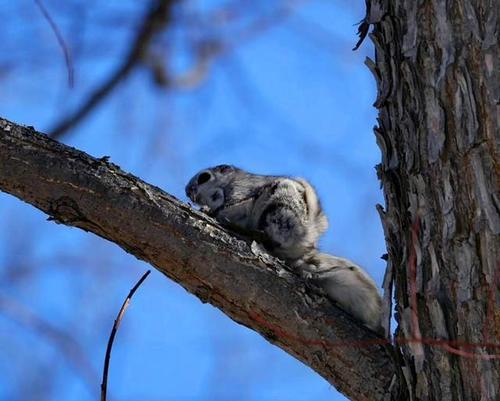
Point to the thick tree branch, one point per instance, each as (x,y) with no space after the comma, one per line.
(247,284)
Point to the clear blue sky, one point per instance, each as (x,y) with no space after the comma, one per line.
(292,100)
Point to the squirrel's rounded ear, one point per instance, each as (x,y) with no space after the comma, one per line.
(224,168)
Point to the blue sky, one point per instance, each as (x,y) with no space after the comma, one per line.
(292,100)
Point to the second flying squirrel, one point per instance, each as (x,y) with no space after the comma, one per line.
(288,216)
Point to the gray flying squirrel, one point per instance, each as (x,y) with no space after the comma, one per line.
(286,216)
(284,212)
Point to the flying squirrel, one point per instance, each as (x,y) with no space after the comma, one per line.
(287,215)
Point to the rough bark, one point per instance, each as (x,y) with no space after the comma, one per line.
(232,274)
(437,67)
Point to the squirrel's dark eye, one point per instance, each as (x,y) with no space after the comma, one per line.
(203,178)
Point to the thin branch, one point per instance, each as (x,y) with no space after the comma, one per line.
(154,22)
(62,43)
(104,383)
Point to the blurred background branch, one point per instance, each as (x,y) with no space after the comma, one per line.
(154,22)
(62,43)
(65,342)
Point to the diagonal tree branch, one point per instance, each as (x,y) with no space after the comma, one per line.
(248,285)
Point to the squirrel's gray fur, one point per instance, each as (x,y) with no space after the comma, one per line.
(347,284)
(285,210)
(287,216)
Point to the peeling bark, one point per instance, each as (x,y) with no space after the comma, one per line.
(235,275)
(438,73)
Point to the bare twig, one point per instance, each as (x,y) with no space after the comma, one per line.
(104,384)
(156,20)
(62,43)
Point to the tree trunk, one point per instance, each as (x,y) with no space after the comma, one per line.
(437,69)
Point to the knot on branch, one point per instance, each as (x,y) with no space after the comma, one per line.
(65,210)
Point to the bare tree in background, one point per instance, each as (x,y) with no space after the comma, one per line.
(437,69)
